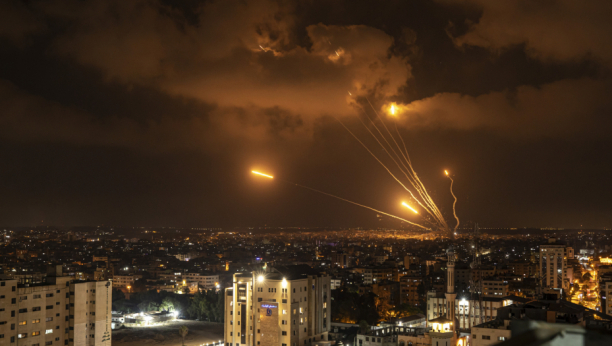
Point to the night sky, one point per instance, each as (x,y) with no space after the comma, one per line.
(149,113)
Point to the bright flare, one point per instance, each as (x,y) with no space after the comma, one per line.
(409,207)
(260,278)
(446,172)
(263,175)
(392,109)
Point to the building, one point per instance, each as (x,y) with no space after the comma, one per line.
(441,331)
(490,333)
(553,266)
(606,298)
(470,311)
(288,307)
(372,275)
(537,333)
(205,281)
(365,273)
(409,289)
(57,312)
(100,259)
(494,287)
(336,283)
(411,259)
(380,258)
(90,313)
(385,273)
(524,269)
(560,312)
(125,280)
(341,260)
(463,275)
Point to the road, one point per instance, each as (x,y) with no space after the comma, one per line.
(200,333)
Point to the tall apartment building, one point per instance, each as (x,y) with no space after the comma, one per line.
(274,309)
(57,312)
(553,265)
(409,289)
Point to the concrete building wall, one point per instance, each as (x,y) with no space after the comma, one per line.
(552,265)
(468,312)
(494,288)
(124,280)
(409,289)
(606,303)
(90,313)
(42,314)
(287,312)
(489,336)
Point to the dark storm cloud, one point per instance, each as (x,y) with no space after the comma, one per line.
(558,109)
(17,22)
(562,30)
(30,118)
(238,54)
(550,31)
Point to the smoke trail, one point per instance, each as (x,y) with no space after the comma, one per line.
(355,203)
(454,203)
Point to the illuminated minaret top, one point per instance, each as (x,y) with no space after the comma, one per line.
(450,273)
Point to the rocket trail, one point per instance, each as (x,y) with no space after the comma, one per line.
(342,199)
(414,179)
(407,168)
(390,156)
(355,203)
(263,175)
(375,157)
(409,207)
(455,202)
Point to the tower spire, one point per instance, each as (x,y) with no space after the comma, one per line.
(450,286)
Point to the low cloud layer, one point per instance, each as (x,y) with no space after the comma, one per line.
(234,53)
(557,109)
(563,30)
(245,58)
(28,118)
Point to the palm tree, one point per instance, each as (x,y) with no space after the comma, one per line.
(183,330)
(363,325)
